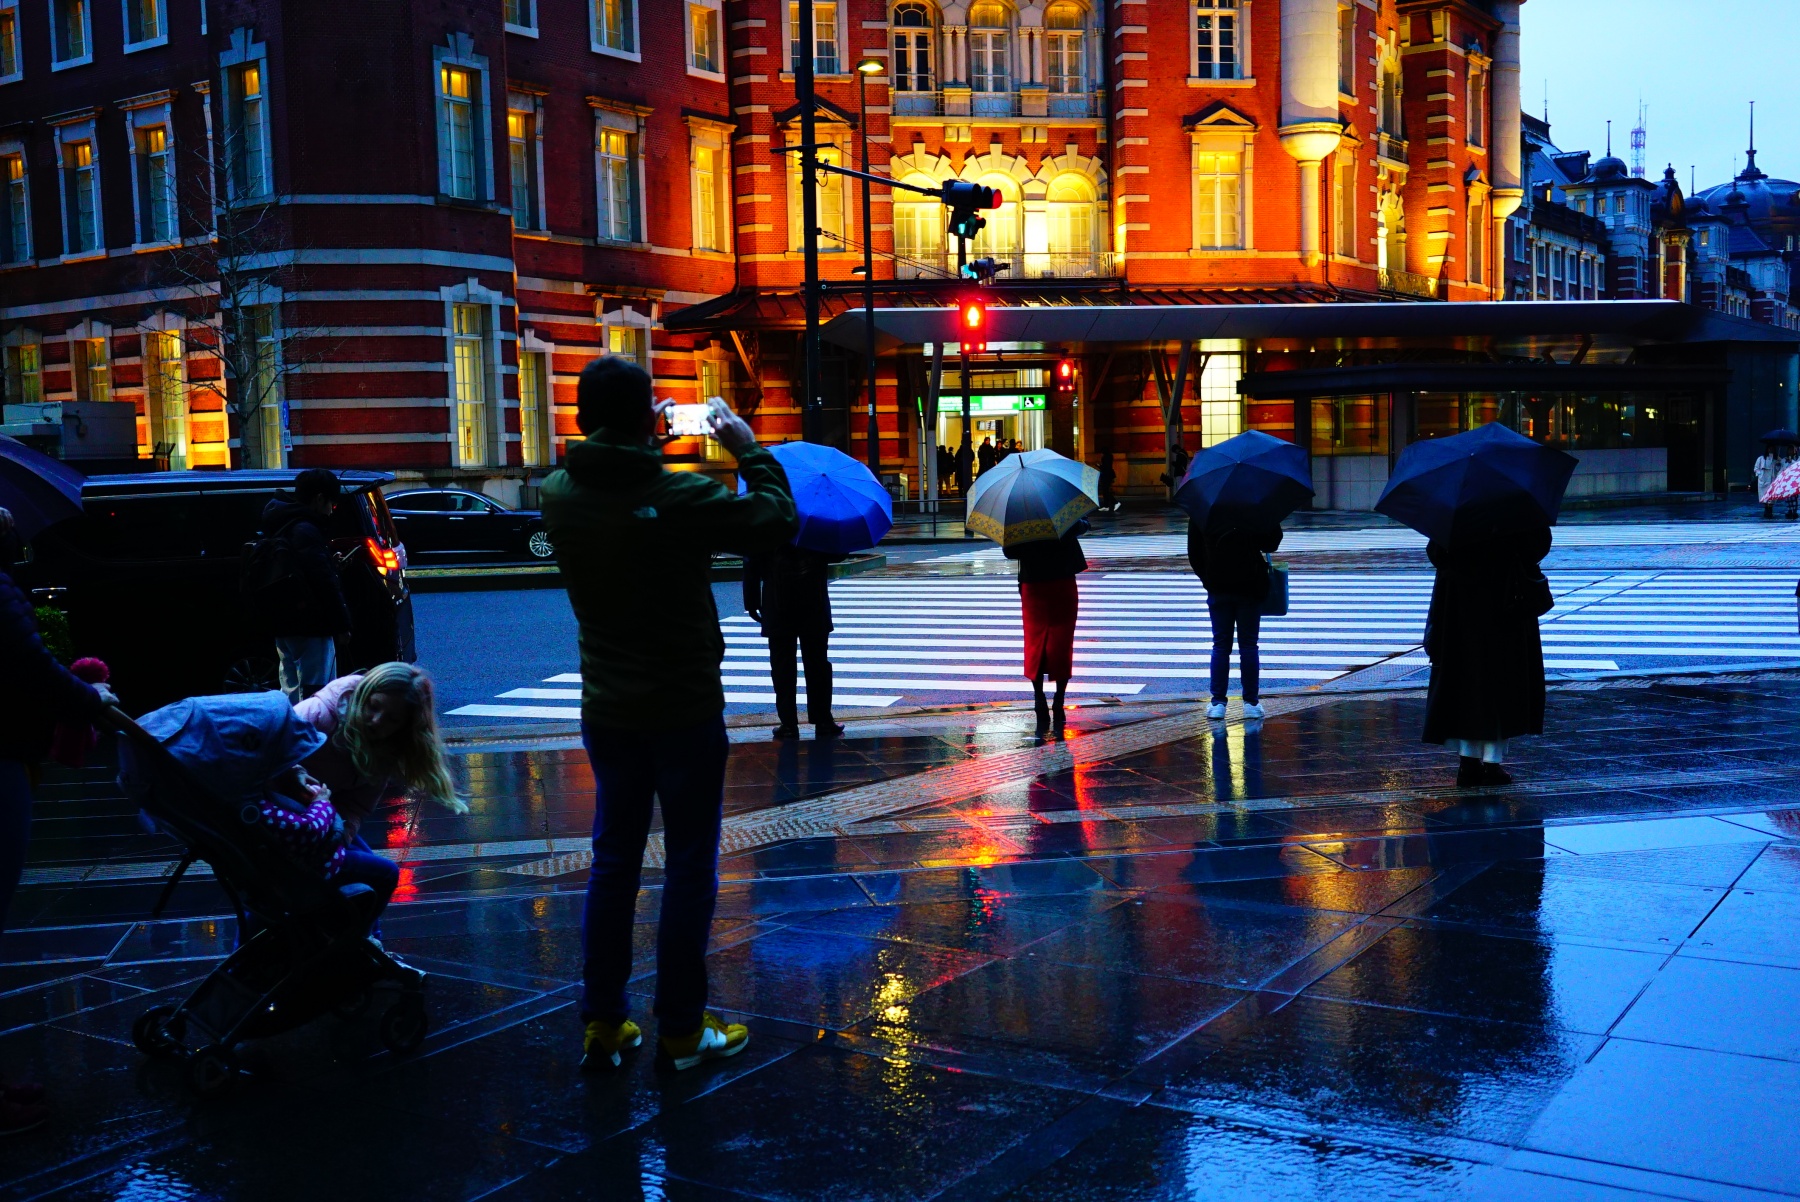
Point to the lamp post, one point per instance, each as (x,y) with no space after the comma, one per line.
(869,65)
(804,93)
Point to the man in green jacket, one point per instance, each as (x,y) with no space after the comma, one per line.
(635,543)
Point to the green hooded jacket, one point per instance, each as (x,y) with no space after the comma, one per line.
(635,544)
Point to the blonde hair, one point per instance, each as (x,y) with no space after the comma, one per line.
(412,755)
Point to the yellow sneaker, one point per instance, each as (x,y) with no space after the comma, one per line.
(604,1041)
(715,1040)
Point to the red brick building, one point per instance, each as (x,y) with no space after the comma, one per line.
(390,235)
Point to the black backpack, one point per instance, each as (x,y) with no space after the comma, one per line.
(273,581)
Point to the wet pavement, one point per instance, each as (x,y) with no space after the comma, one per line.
(1167,959)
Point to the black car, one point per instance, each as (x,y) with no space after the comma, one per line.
(149,576)
(446,525)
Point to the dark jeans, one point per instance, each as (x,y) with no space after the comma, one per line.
(1243,614)
(683,769)
(360,866)
(815,649)
(15,830)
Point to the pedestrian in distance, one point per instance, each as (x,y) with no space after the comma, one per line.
(1050,603)
(37,694)
(634,542)
(1108,481)
(290,579)
(788,591)
(946,465)
(984,457)
(965,462)
(1768,465)
(1487,663)
(1230,555)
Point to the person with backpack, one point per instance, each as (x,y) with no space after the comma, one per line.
(1230,554)
(291,581)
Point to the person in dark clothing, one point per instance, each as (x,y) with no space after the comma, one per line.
(1108,481)
(946,466)
(36,695)
(308,616)
(1229,555)
(1487,663)
(787,591)
(1050,603)
(984,456)
(635,543)
(965,463)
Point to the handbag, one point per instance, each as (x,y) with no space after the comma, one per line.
(1275,601)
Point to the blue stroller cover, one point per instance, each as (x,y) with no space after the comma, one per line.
(236,744)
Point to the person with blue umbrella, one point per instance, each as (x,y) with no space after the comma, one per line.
(1236,494)
(1486,500)
(843,509)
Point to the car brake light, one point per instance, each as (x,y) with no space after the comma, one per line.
(386,558)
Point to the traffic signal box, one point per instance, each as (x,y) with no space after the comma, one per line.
(966,202)
(973,325)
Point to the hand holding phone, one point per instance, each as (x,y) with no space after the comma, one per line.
(689,421)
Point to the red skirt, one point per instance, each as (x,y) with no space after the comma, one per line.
(1050,608)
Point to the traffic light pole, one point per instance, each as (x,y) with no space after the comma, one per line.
(968,439)
(812,404)
(868,265)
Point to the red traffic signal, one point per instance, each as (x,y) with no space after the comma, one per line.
(1065,374)
(972,325)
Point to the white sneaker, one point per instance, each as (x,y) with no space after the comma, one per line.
(1216,710)
(1253,712)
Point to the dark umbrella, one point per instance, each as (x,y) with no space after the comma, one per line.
(1787,437)
(1255,475)
(1034,496)
(1489,477)
(40,491)
(841,504)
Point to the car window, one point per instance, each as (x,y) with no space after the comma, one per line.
(354,518)
(418,502)
(140,528)
(464,502)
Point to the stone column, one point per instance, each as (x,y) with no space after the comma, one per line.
(1310,126)
(1503,158)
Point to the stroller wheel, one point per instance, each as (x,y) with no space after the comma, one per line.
(404,1025)
(212,1070)
(157,1032)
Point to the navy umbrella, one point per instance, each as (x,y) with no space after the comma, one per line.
(1254,475)
(842,506)
(1782,437)
(40,491)
(1488,478)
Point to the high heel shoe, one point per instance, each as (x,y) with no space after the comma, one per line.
(1057,721)
(1043,717)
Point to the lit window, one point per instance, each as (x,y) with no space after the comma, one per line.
(535,429)
(830,193)
(1216,39)
(24,363)
(9,40)
(825,38)
(69,35)
(988,63)
(1219,200)
(618,185)
(1070,200)
(1343,207)
(456,130)
(165,397)
(711,383)
(522,13)
(912,48)
(143,21)
(918,229)
(627,341)
(521,138)
(1065,49)
(17,224)
(247,155)
(263,387)
(155,185)
(1001,236)
(703,38)
(1478,84)
(470,381)
(1347,49)
(615,25)
(88,366)
(1478,236)
(81,198)
(1221,409)
(709,198)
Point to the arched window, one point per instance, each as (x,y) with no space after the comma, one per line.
(1001,237)
(918,230)
(912,48)
(988,62)
(1070,201)
(1065,49)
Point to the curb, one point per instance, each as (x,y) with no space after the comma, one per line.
(534,576)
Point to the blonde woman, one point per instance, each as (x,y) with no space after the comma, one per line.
(383,742)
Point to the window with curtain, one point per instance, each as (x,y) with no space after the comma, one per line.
(1065,49)
(711,377)
(1001,237)
(81,196)
(709,198)
(143,21)
(165,397)
(826,60)
(1347,48)
(912,67)
(1070,201)
(615,25)
(70,36)
(9,41)
(155,185)
(833,217)
(24,378)
(1216,39)
(617,153)
(703,38)
(989,69)
(1343,207)
(629,341)
(88,361)
(246,155)
(456,118)
(521,149)
(522,13)
(536,434)
(16,247)
(918,228)
(266,388)
(1219,200)
(469,380)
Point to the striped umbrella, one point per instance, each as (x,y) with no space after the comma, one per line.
(1033,496)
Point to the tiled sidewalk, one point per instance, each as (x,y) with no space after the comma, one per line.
(1165,961)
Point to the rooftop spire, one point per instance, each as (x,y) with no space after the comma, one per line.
(1751,171)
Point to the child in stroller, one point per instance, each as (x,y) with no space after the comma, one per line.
(223,775)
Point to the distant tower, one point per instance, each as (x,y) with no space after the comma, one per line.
(1640,137)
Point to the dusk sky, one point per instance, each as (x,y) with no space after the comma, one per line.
(1697,67)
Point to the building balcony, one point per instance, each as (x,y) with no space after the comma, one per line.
(1393,148)
(1019,264)
(1026,102)
(1408,283)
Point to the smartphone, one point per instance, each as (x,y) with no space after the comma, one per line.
(689,421)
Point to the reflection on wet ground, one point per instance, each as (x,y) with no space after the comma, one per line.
(1284,960)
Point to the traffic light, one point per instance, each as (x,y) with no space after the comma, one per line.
(1065,375)
(966,201)
(984,269)
(973,325)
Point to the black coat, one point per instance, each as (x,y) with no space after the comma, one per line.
(788,591)
(1047,560)
(1228,557)
(36,692)
(1487,665)
(321,610)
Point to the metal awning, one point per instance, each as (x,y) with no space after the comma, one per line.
(1477,377)
(1638,321)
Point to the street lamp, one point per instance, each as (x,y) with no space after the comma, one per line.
(867,66)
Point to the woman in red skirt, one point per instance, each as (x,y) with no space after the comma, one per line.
(1051,602)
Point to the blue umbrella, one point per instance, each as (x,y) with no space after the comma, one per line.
(1254,475)
(843,507)
(1486,479)
(40,491)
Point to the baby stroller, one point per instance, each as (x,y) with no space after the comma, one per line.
(198,768)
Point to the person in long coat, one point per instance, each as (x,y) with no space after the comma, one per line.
(1768,465)
(1228,554)
(1487,664)
(788,591)
(1050,602)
